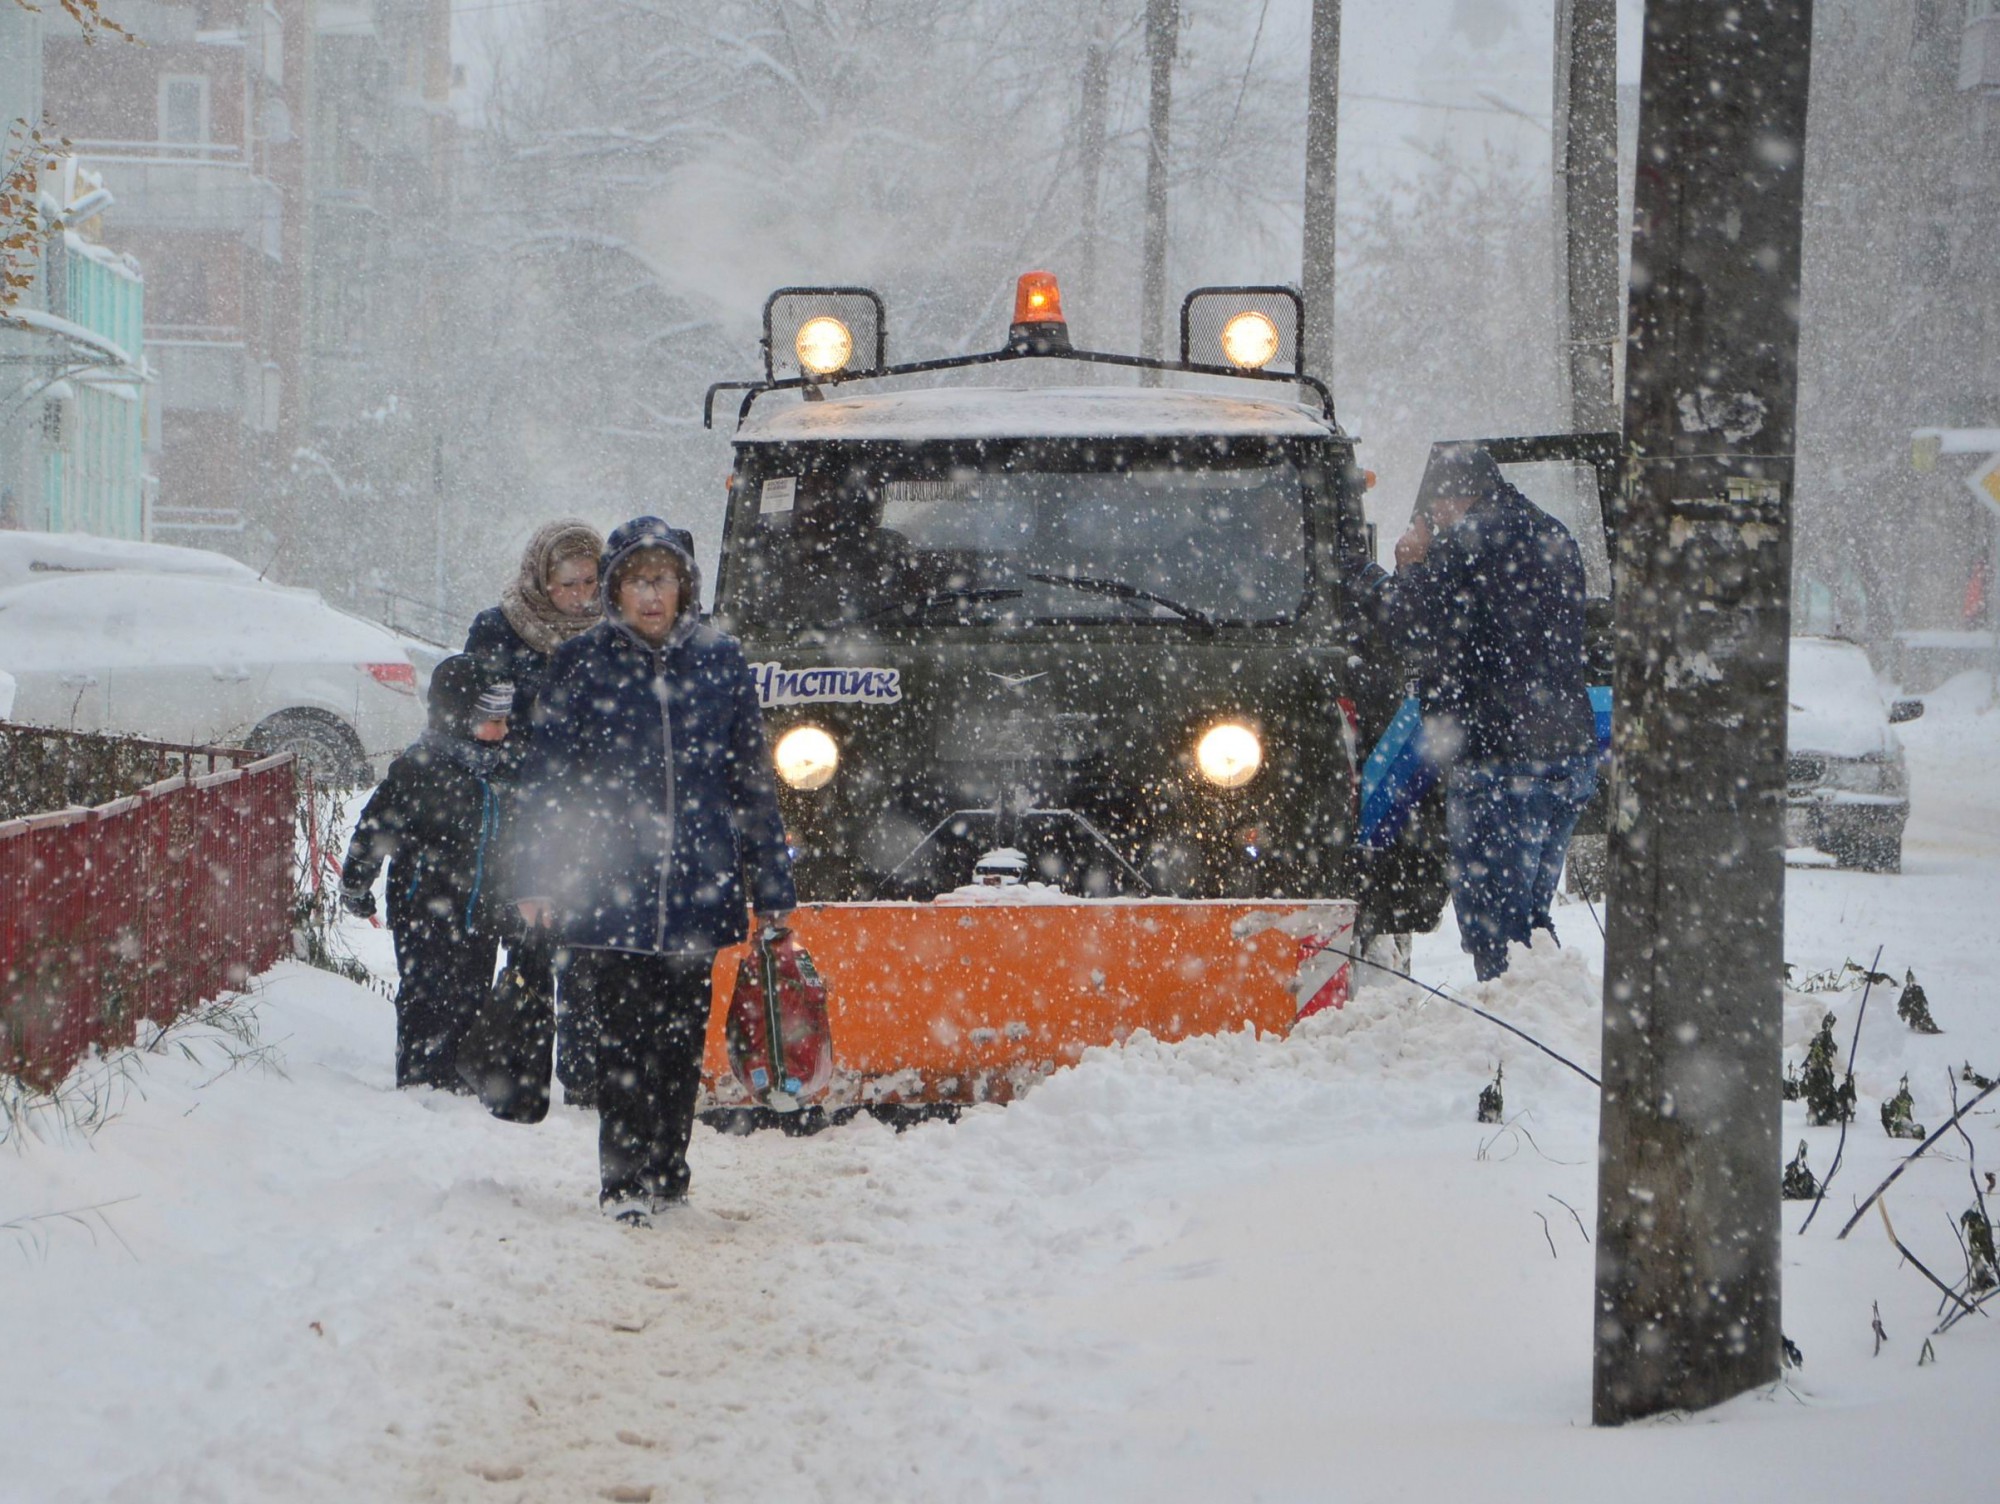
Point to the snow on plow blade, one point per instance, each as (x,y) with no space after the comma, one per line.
(944,1002)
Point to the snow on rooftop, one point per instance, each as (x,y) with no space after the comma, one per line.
(1041,412)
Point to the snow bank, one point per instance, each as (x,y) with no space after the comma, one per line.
(1951,711)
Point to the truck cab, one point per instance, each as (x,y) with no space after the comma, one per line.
(1096,635)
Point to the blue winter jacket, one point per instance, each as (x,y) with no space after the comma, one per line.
(649,812)
(1492,624)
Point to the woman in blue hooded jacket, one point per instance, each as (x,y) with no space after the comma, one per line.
(649,830)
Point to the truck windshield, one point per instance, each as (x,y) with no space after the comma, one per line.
(1016,544)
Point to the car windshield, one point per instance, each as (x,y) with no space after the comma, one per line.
(1013,540)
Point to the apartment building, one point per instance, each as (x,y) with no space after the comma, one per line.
(270,158)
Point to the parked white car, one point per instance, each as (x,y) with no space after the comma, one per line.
(1848,789)
(209,659)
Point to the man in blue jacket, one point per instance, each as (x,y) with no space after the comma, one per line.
(1487,606)
(649,829)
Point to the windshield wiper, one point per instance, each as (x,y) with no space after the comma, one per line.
(943,598)
(1124,592)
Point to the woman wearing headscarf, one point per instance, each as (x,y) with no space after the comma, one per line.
(554,598)
(649,832)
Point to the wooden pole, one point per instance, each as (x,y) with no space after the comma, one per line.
(1689,1158)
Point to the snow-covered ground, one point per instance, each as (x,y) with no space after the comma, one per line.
(1228,1270)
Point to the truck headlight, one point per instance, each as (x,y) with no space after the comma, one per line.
(1229,754)
(806,757)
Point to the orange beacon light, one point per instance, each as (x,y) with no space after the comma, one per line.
(1038,314)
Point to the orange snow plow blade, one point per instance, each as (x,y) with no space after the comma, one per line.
(972,1001)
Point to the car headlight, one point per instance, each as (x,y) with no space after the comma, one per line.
(1858,777)
(1229,754)
(806,757)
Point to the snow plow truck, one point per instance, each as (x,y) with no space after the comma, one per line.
(1065,695)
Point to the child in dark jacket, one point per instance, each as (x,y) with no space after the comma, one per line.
(436,821)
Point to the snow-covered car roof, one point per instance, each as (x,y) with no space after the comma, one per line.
(1836,706)
(1033,413)
(26,557)
(134,619)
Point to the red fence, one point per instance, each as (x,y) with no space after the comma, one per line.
(140,908)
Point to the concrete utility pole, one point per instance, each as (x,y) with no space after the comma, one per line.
(1589,302)
(1163,24)
(1688,1140)
(1316,274)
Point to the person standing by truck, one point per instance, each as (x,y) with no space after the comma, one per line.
(1487,609)
(649,830)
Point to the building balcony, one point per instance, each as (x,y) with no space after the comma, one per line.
(188,186)
(201,367)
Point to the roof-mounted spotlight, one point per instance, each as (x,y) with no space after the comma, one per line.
(823,345)
(1038,324)
(1249,340)
(1252,329)
(823,334)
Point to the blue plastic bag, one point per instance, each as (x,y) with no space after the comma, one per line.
(1398,774)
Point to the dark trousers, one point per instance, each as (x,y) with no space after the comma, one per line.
(652,1014)
(1509,825)
(576,1031)
(444,975)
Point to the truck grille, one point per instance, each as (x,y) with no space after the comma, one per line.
(1064,736)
